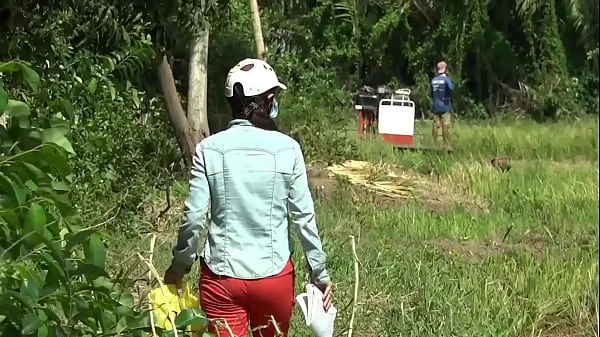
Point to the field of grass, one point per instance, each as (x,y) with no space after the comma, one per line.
(476,253)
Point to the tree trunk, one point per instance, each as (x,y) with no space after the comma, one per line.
(197,115)
(175,110)
(261,50)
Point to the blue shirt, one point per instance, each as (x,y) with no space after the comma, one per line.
(249,179)
(441,88)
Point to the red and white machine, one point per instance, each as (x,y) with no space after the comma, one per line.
(392,113)
(396,119)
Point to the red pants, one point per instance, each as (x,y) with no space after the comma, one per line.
(248,303)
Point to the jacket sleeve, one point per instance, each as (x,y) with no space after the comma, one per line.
(196,207)
(431,88)
(302,212)
(449,86)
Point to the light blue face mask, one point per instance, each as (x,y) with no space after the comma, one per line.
(274,110)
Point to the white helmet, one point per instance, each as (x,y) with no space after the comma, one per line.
(256,77)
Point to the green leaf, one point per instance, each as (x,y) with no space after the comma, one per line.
(30,289)
(121,325)
(57,158)
(42,331)
(9,67)
(3,99)
(6,236)
(93,85)
(21,298)
(30,184)
(57,331)
(86,314)
(22,122)
(60,186)
(61,125)
(55,249)
(56,136)
(90,271)
(36,173)
(113,92)
(35,219)
(126,300)
(29,75)
(53,267)
(38,277)
(30,323)
(136,100)
(59,200)
(95,252)
(107,320)
(16,108)
(78,238)
(10,217)
(140,320)
(191,316)
(35,135)
(103,283)
(12,189)
(123,311)
(68,108)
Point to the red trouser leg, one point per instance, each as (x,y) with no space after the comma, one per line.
(272,296)
(248,302)
(220,297)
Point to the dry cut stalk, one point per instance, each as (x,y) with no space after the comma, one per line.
(356,284)
(152,271)
(150,257)
(278,331)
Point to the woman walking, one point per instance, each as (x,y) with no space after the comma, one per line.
(250,177)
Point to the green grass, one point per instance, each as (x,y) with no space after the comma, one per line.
(446,272)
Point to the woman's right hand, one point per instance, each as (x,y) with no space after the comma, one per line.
(327,290)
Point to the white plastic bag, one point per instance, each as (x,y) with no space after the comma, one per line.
(319,321)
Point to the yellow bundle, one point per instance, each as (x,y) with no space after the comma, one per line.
(168,301)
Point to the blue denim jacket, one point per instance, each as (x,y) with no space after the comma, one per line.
(249,178)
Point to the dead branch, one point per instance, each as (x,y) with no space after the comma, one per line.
(168,199)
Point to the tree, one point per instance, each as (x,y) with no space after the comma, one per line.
(183,25)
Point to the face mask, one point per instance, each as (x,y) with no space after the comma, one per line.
(274,109)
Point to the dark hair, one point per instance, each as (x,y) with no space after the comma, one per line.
(255,109)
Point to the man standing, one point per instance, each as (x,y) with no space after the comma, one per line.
(441,90)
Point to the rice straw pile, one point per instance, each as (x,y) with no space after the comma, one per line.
(379,178)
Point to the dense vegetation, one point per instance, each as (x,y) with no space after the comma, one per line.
(88,141)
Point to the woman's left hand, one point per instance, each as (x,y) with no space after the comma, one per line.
(327,290)
(173,277)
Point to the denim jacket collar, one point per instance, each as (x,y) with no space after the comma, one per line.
(239,122)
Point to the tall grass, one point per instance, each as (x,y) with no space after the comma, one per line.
(524,264)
